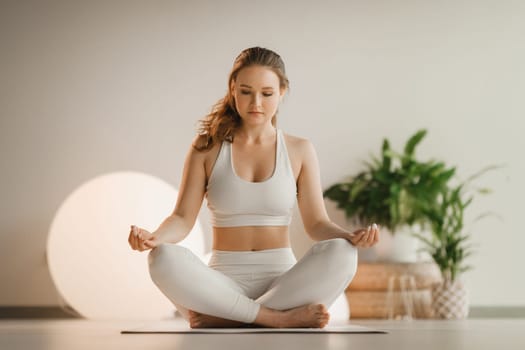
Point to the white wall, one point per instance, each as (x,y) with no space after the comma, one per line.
(89,88)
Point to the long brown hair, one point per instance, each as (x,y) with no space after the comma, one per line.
(220,124)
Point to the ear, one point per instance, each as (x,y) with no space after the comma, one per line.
(232,88)
(282,92)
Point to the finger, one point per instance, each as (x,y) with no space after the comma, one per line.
(353,236)
(150,244)
(356,236)
(137,242)
(145,243)
(371,236)
(362,237)
(144,235)
(366,236)
(134,242)
(137,232)
(133,237)
(141,244)
(378,230)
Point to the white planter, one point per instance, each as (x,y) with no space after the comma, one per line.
(450,300)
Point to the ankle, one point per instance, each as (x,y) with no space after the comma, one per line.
(270,318)
(279,319)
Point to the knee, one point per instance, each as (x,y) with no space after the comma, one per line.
(343,255)
(164,259)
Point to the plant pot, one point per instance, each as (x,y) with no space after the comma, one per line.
(450,300)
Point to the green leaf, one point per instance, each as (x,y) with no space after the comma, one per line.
(413,142)
(387,156)
(356,190)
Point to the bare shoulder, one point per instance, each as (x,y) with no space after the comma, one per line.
(299,147)
(204,154)
(206,157)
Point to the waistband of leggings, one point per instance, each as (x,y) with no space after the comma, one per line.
(268,256)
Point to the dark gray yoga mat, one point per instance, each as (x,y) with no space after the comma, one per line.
(178,328)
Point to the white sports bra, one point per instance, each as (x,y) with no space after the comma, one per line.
(234,201)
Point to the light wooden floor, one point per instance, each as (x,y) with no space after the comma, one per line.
(478,334)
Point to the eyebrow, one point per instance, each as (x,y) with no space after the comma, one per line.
(264,88)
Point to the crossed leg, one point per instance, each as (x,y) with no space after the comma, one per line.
(298,298)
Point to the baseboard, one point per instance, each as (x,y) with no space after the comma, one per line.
(497,312)
(46,312)
(36,312)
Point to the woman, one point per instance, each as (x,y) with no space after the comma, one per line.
(252,174)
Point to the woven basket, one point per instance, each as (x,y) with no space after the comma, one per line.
(375,276)
(375,304)
(450,300)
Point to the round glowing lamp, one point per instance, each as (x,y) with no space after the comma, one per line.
(91,263)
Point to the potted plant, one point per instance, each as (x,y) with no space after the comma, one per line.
(395,191)
(448,246)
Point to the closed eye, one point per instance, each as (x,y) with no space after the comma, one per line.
(265,94)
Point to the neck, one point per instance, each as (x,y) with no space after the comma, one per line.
(256,134)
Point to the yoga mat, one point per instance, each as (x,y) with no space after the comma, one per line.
(178,328)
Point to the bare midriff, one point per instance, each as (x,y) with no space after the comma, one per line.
(250,238)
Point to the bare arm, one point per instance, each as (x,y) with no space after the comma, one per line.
(179,224)
(311,204)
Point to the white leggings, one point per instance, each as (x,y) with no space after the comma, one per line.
(235,284)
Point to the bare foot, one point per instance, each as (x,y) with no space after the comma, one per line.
(198,320)
(307,316)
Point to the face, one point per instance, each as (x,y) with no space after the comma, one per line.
(257,94)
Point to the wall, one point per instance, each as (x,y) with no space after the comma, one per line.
(89,88)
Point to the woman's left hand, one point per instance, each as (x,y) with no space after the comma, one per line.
(365,237)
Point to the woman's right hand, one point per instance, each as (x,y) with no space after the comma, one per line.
(141,239)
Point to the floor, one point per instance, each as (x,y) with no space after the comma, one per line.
(479,334)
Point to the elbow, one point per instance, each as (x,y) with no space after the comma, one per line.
(184,219)
(316,228)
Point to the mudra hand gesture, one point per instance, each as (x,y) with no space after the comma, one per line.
(141,239)
(365,237)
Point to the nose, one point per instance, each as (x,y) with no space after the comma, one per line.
(256,100)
